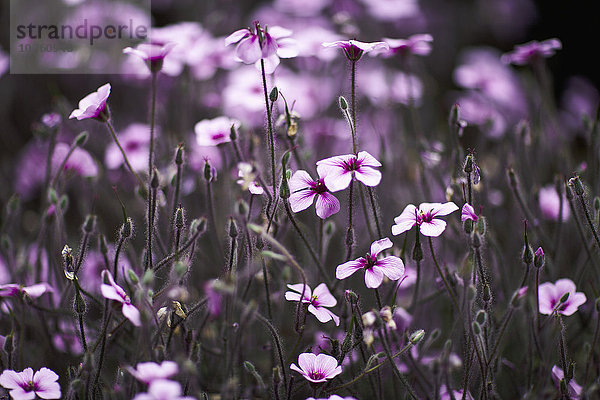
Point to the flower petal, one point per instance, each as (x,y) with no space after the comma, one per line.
(301,200)
(373,278)
(327,364)
(326,205)
(248,51)
(437,209)
(110,293)
(324,297)
(132,313)
(300,180)
(348,268)
(322,314)
(366,159)
(368,176)
(380,245)
(46,384)
(12,379)
(392,267)
(406,220)
(434,228)
(306,361)
(236,36)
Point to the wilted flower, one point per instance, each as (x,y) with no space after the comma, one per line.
(354,49)
(116,292)
(317,301)
(317,368)
(375,269)
(163,389)
(573,387)
(26,385)
(550,295)
(424,218)
(338,171)
(531,51)
(148,372)
(93,105)
(304,190)
(213,132)
(268,44)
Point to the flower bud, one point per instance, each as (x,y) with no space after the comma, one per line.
(417,253)
(208,171)
(368,319)
(52,196)
(241,208)
(103,246)
(482,225)
(350,236)
(180,269)
(577,186)
(476,328)
(179,154)
(81,139)
(468,166)
(126,229)
(539,258)
(476,240)
(598,305)
(233,133)
(274,94)
(133,278)
(284,189)
(79,305)
(148,277)
(63,203)
(89,224)
(512,178)
(454,116)
(9,345)
(481,317)
(233,229)
(179,218)
(417,336)
(329,228)
(597,204)
(155,181)
(468,226)
(351,297)
(347,343)
(13,204)
(487,294)
(198,226)
(343,103)
(568,192)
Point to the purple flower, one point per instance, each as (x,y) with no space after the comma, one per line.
(116,292)
(317,301)
(33,291)
(152,53)
(468,212)
(51,120)
(394,10)
(532,51)
(80,161)
(338,171)
(149,372)
(304,190)
(424,217)
(26,385)
(268,44)
(317,368)
(551,293)
(573,387)
(213,132)
(135,140)
(375,269)
(163,389)
(549,202)
(419,44)
(93,105)
(355,49)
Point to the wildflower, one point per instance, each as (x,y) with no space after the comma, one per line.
(79,161)
(26,385)
(247,179)
(135,140)
(33,291)
(573,387)
(51,120)
(551,294)
(152,53)
(304,190)
(317,368)
(468,213)
(355,49)
(116,292)
(267,44)
(419,44)
(213,132)
(338,171)
(529,52)
(317,301)
(375,269)
(163,389)
(549,202)
(93,105)
(424,217)
(148,372)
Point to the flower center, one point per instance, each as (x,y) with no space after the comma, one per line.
(424,217)
(369,261)
(30,387)
(316,375)
(319,187)
(314,301)
(352,164)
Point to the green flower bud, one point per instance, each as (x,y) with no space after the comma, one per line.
(343,103)
(148,278)
(577,185)
(179,154)
(133,278)
(417,336)
(233,229)
(63,202)
(79,305)
(89,224)
(468,226)
(274,94)
(198,226)
(476,240)
(481,317)
(476,328)
(52,196)
(482,225)
(81,139)
(9,345)
(468,166)
(126,229)
(180,269)
(179,218)
(155,181)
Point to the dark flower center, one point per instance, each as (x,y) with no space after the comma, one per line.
(319,187)
(352,164)
(424,217)
(316,375)
(353,52)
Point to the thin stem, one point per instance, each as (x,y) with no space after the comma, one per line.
(353,83)
(350,231)
(211,213)
(114,136)
(589,219)
(62,164)
(448,288)
(270,138)
(375,213)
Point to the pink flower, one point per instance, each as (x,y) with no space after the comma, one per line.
(93,105)
(135,140)
(317,300)
(80,161)
(355,49)
(375,269)
(26,385)
(213,132)
(338,171)
(573,387)
(33,291)
(268,44)
(549,202)
(152,53)
(163,389)
(424,217)
(531,51)
(551,293)
(419,44)
(304,190)
(116,292)
(468,212)
(148,372)
(51,120)
(317,368)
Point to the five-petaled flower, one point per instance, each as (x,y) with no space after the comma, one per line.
(116,292)
(93,105)
(152,53)
(531,51)
(375,269)
(26,385)
(267,44)
(424,218)
(317,301)
(550,295)
(317,368)
(304,190)
(148,372)
(338,171)
(354,49)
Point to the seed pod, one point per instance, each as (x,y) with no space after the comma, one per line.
(481,317)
